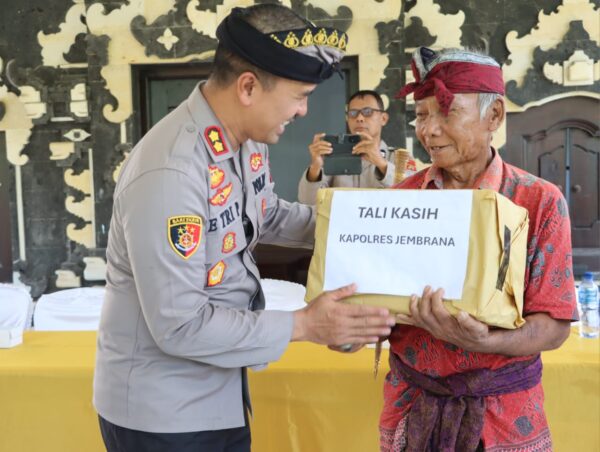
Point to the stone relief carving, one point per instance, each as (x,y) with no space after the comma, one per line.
(446,27)
(56,45)
(83,208)
(547,34)
(124,49)
(578,70)
(79,103)
(553,72)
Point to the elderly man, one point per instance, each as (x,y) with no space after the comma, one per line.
(456,384)
(183,315)
(365,116)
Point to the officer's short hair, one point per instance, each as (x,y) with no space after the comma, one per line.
(267,18)
(367,92)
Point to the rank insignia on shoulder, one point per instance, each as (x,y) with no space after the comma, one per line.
(228,242)
(214,136)
(184,233)
(263,206)
(217,176)
(216,274)
(256,161)
(222,195)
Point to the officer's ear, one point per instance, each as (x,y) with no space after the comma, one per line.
(246,85)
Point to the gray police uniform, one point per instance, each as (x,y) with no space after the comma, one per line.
(370,177)
(182,314)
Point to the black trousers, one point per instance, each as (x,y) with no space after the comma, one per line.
(121,439)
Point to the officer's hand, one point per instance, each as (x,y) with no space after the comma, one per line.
(327,321)
(368,149)
(428,312)
(317,149)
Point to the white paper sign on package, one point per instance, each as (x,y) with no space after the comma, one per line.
(395,242)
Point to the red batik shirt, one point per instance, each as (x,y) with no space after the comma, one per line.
(516,421)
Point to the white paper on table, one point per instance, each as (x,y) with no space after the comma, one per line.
(373,242)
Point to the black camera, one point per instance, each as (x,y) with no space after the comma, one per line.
(341,161)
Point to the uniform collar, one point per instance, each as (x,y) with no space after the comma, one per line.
(212,132)
(490,179)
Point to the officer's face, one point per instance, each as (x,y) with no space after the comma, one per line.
(277,107)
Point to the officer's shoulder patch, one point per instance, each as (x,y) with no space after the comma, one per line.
(216,274)
(214,136)
(184,233)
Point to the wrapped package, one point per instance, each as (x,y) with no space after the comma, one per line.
(493,286)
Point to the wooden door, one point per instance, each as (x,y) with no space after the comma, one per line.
(560,142)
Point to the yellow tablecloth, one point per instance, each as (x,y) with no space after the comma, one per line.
(313,400)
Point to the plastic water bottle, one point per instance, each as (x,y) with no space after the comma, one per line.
(588,305)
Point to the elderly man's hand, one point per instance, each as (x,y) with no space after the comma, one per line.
(429,313)
(347,348)
(368,148)
(317,149)
(327,321)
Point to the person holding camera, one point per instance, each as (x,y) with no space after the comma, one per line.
(365,117)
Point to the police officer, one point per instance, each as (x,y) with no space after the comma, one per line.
(183,317)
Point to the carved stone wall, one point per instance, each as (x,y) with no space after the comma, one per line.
(66,91)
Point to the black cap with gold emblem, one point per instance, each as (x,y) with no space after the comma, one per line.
(311,54)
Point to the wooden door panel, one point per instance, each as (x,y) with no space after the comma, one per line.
(551,165)
(585,185)
(585,199)
(560,142)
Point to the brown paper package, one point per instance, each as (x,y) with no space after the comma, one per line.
(494,282)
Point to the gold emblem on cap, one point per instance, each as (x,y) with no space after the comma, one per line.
(333,39)
(321,37)
(291,41)
(307,39)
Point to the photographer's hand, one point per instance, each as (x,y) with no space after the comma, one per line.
(368,149)
(318,148)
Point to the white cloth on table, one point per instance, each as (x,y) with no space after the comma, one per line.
(16,307)
(69,310)
(283,295)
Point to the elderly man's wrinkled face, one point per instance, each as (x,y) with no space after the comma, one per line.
(458,138)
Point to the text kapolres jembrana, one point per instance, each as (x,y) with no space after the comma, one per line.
(395,242)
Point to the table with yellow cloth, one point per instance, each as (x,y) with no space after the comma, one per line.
(312,400)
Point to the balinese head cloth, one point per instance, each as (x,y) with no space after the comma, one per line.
(453,71)
(310,54)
